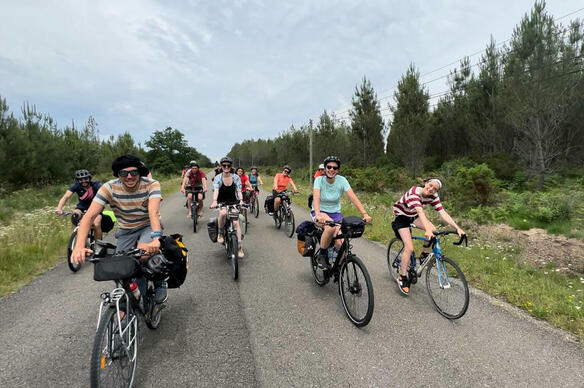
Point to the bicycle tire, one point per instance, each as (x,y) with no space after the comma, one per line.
(116,359)
(351,288)
(233,256)
(256,207)
(394,251)
(455,295)
(194,213)
(290,223)
(277,219)
(318,274)
(244,226)
(72,240)
(153,319)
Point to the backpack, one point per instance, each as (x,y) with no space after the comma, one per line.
(310,198)
(175,252)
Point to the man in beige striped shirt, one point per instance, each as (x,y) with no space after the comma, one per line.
(135,200)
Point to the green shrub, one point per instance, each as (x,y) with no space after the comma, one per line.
(473,186)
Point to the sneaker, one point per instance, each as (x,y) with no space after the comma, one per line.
(404,284)
(220,238)
(423,257)
(240,253)
(322,263)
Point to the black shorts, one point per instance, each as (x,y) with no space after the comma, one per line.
(189,190)
(401,222)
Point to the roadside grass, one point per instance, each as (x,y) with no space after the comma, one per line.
(491,266)
(33,242)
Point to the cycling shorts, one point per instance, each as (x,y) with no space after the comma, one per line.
(401,222)
(189,190)
(336,217)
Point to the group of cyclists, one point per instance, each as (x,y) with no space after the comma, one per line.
(135,199)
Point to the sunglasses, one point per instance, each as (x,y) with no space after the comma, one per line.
(287,171)
(124,173)
(226,165)
(329,167)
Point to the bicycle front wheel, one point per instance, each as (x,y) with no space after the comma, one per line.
(256,207)
(394,252)
(233,257)
(195,216)
(72,241)
(115,349)
(447,287)
(356,291)
(289,223)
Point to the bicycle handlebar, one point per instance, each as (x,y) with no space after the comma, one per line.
(463,238)
(334,223)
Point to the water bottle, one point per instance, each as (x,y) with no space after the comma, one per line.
(331,253)
(135,290)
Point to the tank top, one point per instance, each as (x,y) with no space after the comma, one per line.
(227,194)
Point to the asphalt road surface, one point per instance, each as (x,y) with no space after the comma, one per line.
(275,327)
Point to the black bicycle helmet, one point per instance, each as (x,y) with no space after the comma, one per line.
(80,174)
(193,163)
(286,167)
(331,158)
(226,159)
(156,267)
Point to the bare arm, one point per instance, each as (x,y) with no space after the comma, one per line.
(153,215)
(204,184)
(353,198)
(428,227)
(260,181)
(293,185)
(62,201)
(275,185)
(446,217)
(248,185)
(79,252)
(184,183)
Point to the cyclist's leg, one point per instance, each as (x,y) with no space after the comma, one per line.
(277,200)
(419,225)
(221,225)
(97,228)
(200,197)
(406,237)
(189,202)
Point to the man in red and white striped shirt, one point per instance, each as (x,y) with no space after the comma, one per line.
(409,210)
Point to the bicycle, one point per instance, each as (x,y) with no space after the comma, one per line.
(115,347)
(230,236)
(355,286)
(285,214)
(445,281)
(254,202)
(195,208)
(75,219)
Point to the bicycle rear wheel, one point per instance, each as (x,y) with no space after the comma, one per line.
(113,359)
(356,291)
(277,219)
(394,252)
(72,241)
(233,257)
(447,287)
(289,223)
(320,277)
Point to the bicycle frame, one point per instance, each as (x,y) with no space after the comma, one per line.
(435,254)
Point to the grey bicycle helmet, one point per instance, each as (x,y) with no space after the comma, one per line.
(334,159)
(286,167)
(226,159)
(80,174)
(193,163)
(256,168)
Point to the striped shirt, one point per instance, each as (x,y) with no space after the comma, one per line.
(407,204)
(130,207)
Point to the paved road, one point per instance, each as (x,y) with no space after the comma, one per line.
(275,327)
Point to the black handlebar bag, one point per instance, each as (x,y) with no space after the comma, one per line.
(115,268)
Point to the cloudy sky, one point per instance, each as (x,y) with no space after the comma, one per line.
(224,71)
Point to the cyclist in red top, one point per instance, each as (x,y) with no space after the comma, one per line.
(408,210)
(320,171)
(281,181)
(194,180)
(246,187)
